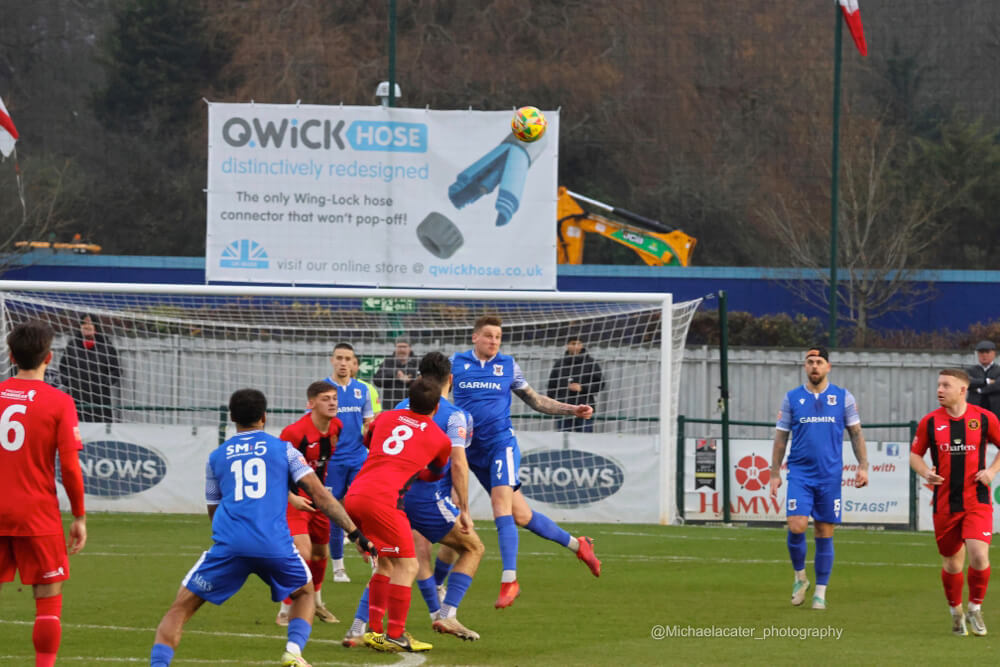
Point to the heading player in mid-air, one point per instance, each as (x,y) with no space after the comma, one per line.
(483,382)
(355,411)
(815,414)
(402,445)
(315,436)
(246,488)
(956,434)
(39,422)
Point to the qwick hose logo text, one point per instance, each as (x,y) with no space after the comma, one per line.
(112,469)
(569,478)
(316,134)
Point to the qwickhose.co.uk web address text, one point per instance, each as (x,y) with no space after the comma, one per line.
(662,632)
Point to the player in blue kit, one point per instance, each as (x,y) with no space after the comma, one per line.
(434,518)
(815,414)
(483,382)
(246,488)
(354,409)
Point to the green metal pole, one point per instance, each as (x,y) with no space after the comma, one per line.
(834,179)
(724,399)
(392,53)
(914,488)
(680,466)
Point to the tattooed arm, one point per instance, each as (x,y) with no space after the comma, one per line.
(551,406)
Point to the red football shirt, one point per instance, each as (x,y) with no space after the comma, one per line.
(400,444)
(36,421)
(316,447)
(958,451)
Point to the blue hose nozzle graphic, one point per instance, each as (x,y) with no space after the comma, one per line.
(506,165)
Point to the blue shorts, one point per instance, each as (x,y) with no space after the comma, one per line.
(821,500)
(496,462)
(433,519)
(339,477)
(217,575)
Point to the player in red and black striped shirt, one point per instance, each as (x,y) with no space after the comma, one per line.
(315,435)
(957,434)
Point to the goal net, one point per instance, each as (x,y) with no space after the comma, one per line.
(153,388)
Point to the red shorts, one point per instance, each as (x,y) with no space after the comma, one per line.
(953,528)
(40,559)
(316,524)
(385,525)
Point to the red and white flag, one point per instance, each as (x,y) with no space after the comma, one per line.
(8,133)
(853,18)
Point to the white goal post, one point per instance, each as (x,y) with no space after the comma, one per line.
(182,350)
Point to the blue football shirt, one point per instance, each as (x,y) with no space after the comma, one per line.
(483,388)
(452,421)
(248,478)
(354,405)
(817,423)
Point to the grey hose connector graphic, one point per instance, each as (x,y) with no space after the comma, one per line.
(439,235)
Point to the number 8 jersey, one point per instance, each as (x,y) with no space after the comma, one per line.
(248,477)
(400,444)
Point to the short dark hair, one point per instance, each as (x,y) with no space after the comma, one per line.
(574,339)
(436,366)
(343,346)
(424,395)
(319,387)
(29,343)
(487,321)
(818,351)
(956,373)
(247,406)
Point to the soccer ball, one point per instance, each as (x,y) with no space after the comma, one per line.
(528,124)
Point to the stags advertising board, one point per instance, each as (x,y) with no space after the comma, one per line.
(883,501)
(302,194)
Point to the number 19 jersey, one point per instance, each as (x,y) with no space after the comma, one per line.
(248,477)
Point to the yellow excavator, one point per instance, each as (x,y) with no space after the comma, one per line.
(654,242)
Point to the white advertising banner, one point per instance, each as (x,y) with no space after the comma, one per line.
(585,477)
(373,196)
(884,501)
(144,467)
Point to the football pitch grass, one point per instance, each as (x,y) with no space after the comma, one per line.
(718,594)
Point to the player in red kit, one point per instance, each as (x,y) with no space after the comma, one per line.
(36,422)
(956,434)
(315,436)
(402,445)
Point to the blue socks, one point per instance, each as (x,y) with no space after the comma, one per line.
(299,630)
(336,541)
(362,612)
(161,655)
(797,550)
(824,560)
(458,584)
(543,526)
(507,537)
(429,590)
(441,570)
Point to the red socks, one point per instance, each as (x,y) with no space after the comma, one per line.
(978,581)
(378,601)
(318,569)
(47,632)
(399,606)
(952,587)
